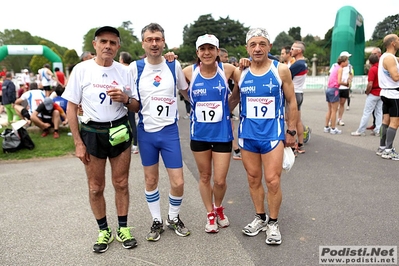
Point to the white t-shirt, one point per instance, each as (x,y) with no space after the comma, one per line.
(158,94)
(88,85)
(34,98)
(45,78)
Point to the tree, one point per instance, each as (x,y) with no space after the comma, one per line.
(295,33)
(231,35)
(281,40)
(308,39)
(389,25)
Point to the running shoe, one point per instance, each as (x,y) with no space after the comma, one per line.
(380,151)
(340,123)
(257,225)
(135,149)
(237,155)
(373,133)
(306,134)
(105,237)
(123,235)
(222,219)
(211,224)
(392,154)
(335,131)
(356,133)
(273,235)
(299,150)
(156,231)
(327,129)
(178,226)
(56,135)
(44,133)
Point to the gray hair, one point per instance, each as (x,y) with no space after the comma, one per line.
(153,27)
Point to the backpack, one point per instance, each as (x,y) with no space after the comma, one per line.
(13,142)
(26,141)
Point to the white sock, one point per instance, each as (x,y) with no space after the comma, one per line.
(153,201)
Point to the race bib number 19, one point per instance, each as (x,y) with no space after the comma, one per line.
(209,112)
(261,107)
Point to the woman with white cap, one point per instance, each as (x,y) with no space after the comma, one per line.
(210,126)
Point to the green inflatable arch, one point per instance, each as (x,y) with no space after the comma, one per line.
(6,50)
(348,35)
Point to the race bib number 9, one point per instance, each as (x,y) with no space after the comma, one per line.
(261,107)
(209,112)
(161,106)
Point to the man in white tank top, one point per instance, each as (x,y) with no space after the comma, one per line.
(388,77)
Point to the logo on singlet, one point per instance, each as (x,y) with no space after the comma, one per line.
(199,92)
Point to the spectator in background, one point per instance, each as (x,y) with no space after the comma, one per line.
(9,97)
(46,78)
(285,56)
(388,78)
(373,101)
(28,102)
(3,72)
(22,89)
(48,115)
(1,96)
(224,58)
(60,76)
(335,80)
(187,105)
(344,88)
(58,99)
(26,77)
(376,51)
(125,58)
(86,56)
(299,70)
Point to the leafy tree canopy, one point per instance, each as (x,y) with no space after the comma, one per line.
(231,34)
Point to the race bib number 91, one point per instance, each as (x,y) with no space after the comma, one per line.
(163,106)
(261,107)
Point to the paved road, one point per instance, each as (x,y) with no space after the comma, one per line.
(338,193)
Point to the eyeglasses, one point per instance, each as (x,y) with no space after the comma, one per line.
(151,40)
(295,48)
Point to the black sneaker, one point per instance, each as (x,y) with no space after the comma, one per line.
(177,225)
(105,237)
(123,235)
(156,231)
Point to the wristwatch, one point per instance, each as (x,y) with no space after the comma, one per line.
(129,101)
(291,132)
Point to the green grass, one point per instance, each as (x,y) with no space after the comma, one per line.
(44,147)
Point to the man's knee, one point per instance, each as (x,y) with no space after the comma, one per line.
(273,184)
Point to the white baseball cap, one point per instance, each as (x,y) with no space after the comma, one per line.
(207,38)
(345,53)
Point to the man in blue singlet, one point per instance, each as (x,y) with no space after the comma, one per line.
(263,89)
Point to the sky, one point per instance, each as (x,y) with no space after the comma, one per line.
(66,22)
